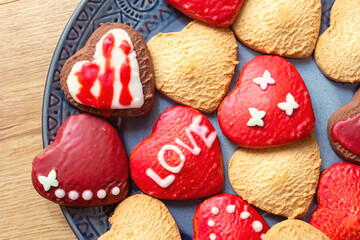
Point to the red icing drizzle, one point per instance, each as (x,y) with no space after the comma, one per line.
(90,72)
(125,75)
(347,133)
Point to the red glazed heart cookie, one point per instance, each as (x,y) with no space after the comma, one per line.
(226,216)
(220,13)
(338,212)
(85,166)
(112,75)
(269,107)
(344,130)
(181,159)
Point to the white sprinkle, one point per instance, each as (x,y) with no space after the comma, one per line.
(73,195)
(230,208)
(87,195)
(245,215)
(257,226)
(262,236)
(211,223)
(215,210)
(212,236)
(101,194)
(59,193)
(115,191)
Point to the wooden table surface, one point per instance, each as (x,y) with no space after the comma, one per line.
(28,36)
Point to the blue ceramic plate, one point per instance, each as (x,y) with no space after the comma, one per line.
(150,17)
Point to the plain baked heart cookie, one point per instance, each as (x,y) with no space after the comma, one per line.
(269,107)
(281,27)
(194,67)
(181,159)
(337,52)
(338,212)
(85,166)
(112,75)
(344,130)
(142,217)
(292,229)
(226,216)
(220,13)
(279,180)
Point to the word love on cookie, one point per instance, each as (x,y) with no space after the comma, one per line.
(269,107)
(181,159)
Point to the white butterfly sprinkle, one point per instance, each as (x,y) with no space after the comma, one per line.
(256,117)
(49,181)
(289,105)
(264,80)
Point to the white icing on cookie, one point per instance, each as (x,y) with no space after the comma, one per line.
(118,57)
(164,183)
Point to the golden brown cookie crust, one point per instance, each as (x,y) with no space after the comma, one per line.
(294,230)
(337,52)
(279,180)
(142,217)
(145,67)
(281,27)
(194,67)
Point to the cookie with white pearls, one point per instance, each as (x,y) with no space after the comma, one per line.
(85,166)
(269,107)
(142,217)
(226,216)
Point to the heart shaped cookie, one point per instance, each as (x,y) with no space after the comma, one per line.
(226,216)
(281,27)
(292,229)
(141,217)
(344,130)
(85,166)
(269,107)
(337,52)
(181,159)
(338,212)
(112,75)
(220,13)
(279,180)
(192,69)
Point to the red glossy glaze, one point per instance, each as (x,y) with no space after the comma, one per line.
(347,133)
(87,154)
(227,225)
(338,212)
(125,75)
(220,13)
(279,129)
(200,176)
(90,72)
